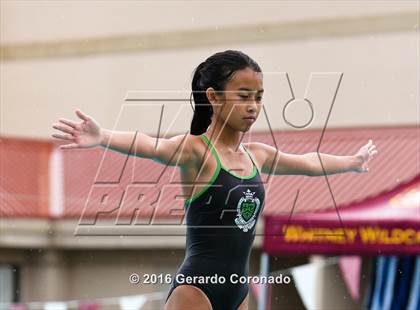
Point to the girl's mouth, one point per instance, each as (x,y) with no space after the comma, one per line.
(249,119)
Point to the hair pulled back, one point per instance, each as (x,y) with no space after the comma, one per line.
(215,71)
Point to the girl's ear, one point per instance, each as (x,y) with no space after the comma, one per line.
(211,95)
(216,99)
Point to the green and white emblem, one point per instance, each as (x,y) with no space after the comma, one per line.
(247,210)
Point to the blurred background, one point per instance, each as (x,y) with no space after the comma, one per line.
(124,63)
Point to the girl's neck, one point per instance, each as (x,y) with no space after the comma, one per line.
(226,138)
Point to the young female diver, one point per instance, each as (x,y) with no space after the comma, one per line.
(223,206)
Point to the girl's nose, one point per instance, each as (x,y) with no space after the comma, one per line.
(252,107)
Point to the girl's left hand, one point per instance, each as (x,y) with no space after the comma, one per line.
(364,155)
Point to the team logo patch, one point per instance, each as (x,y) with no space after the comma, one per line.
(247,210)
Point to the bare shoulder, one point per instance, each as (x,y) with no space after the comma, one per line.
(256,147)
(194,142)
(191,145)
(258,151)
(259,147)
(187,139)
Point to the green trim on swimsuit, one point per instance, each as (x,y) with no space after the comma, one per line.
(215,174)
(245,177)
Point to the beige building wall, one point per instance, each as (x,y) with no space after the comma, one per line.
(77,274)
(374,46)
(91,274)
(42,20)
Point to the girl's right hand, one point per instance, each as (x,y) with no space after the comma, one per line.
(86,134)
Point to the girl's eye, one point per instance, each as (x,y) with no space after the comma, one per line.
(259,99)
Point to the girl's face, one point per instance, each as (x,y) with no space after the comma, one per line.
(240,104)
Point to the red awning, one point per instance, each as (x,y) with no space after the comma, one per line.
(385,224)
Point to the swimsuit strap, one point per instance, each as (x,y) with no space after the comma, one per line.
(213,149)
(253,162)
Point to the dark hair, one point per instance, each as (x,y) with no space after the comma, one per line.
(215,71)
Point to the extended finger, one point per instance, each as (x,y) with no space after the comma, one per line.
(82,115)
(372,147)
(68,122)
(368,145)
(64,137)
(63,128)
(69,146)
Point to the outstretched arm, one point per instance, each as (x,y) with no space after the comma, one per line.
(175,151)
(279,163)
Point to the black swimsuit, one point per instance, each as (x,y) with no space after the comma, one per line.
(221,221)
